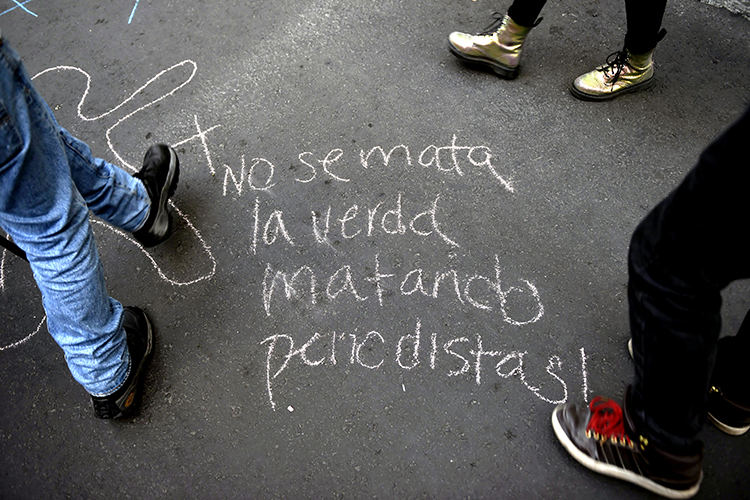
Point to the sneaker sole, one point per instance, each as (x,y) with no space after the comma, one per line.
(613,95)
(161,221)
(732,431)
(614,471)
(500,70)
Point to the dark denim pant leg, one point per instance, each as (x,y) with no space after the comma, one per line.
(682,255)
(644,23)
(526,12)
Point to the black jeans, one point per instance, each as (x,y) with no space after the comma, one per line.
(682,255)
(643,16)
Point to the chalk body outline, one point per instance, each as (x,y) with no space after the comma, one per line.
(206,248)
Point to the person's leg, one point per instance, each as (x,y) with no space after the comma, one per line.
(729,393)
(110,193)
(499,46)
(644,19)
(107,347)
(526,12)
(135,203)
(42,210)
(682,255)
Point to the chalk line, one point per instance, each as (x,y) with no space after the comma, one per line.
(206,248)
(186,62)
(133,12)
(156,266)
(585,375)
(23,340)
(20,5)
(132,96)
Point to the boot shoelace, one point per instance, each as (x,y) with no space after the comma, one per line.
(497,21)
(616,61)
(606,422)
(498,18)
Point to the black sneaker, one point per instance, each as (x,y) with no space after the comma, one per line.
(728,409)
(140,338)
(728,405)
(159,174)
(602,437)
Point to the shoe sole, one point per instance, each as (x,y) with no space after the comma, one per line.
(160,226)
(613,95)
(614,471)
(732,431)
(500,70)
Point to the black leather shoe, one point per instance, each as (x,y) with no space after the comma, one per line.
(159,174)
(140,338)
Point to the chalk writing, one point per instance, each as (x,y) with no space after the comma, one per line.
(332,167)
(452,357)
(434,156)
(515,301)
(487,293)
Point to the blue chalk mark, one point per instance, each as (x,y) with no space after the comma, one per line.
(133,12)
(21,5)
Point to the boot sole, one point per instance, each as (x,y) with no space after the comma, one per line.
(161,222)
(614,471)
(505,72)
(608,97)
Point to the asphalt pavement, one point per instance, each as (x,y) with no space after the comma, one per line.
(388,267)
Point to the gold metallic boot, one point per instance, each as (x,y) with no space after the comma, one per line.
(623,73)
(496,47)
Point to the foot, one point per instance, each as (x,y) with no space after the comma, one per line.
(623,73)
(159,174)
(728,405)
(726,409)
(140,339)
(498,47)
(602,437)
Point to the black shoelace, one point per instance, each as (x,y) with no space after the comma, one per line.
(615,62)
(498,18)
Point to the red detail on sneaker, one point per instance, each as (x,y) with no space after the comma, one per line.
(606,419)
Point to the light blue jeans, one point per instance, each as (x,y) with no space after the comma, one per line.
(48,184)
